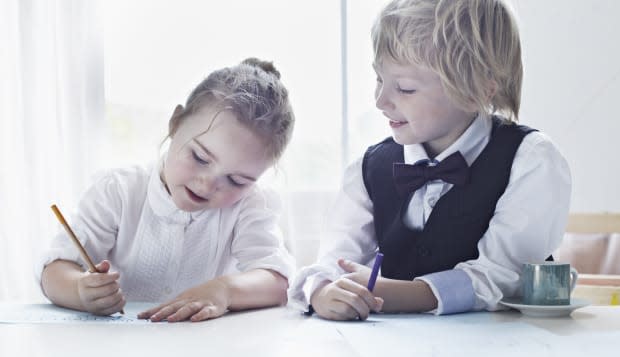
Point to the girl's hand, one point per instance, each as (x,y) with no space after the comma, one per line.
(345,299)
(100,293)
(203,302)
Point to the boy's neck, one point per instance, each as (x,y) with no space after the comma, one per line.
(435,148)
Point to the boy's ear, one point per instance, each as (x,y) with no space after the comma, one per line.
(491,89)
(175,120)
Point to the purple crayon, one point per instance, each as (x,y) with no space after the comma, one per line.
(375,271)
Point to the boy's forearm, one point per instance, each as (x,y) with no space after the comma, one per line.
(59,282)
(405,295)
(254,288)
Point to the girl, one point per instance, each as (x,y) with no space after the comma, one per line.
(193,230)
(460,196)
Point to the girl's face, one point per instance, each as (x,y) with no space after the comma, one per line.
(212,169)
(419,112)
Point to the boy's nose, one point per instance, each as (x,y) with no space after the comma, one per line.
(382,101)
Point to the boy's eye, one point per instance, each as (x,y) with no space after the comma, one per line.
(406,91)
(379,80)
(199,159)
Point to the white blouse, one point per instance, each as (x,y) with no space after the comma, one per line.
(129,218)
(528,224)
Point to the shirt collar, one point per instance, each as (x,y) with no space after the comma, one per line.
(470,143)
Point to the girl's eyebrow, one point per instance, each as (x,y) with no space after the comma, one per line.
(205,149)
(247,177)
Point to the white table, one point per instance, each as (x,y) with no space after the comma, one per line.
(592,331)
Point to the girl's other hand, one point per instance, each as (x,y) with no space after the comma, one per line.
(200,303)
(100,292)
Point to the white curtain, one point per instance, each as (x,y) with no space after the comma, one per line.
(51,102)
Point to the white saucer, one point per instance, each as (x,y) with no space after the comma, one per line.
(545,310)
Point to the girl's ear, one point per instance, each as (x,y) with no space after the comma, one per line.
(175,120)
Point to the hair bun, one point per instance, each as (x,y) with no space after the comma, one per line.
(264,65)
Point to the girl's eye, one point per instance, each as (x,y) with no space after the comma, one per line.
(198,159)
(379,80)
(235,183)
(406,91)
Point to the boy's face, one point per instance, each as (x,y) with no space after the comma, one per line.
(419,112)
(212,169)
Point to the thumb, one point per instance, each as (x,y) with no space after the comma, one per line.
(379,304)
(349,266)
(103,267)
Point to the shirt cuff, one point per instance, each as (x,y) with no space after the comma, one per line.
(453,289)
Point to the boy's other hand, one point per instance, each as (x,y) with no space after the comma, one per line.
(345,299)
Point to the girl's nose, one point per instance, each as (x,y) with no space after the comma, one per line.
(207,184)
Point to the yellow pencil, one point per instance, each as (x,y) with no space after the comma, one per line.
(85,256)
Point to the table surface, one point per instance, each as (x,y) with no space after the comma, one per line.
(590,331)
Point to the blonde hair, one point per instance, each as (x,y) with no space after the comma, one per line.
(253,92)
(473,45)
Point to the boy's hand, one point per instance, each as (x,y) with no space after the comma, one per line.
(357,272)
(345,299)
(203,302)
(100,292)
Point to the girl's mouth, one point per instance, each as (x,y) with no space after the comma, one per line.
(194,197)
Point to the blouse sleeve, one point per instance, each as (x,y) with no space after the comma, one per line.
(95,225)
(258,240)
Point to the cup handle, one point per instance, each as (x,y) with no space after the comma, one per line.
(573,278)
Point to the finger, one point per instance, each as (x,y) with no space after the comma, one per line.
(89,295)
(207,312)
(185,311)
(361,309)
(341,311)
(166,311)
(95,280)
(103,305)
(103,267)
(350,266)
(148,313)
(115,308)
(360,290)
(380,302)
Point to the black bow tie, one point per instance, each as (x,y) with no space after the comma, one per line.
(408,178)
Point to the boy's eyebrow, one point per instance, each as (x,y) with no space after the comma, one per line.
(247,177)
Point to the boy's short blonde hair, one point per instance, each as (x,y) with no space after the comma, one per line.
(473,45)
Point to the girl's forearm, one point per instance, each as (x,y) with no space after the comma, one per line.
(59,283)
(405,295)
(254,288)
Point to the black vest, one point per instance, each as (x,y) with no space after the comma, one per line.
(459,218)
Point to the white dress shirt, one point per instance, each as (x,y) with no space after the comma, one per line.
(528,224)
(129,218)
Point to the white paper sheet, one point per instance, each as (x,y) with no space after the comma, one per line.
(455,335)
(48,313)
